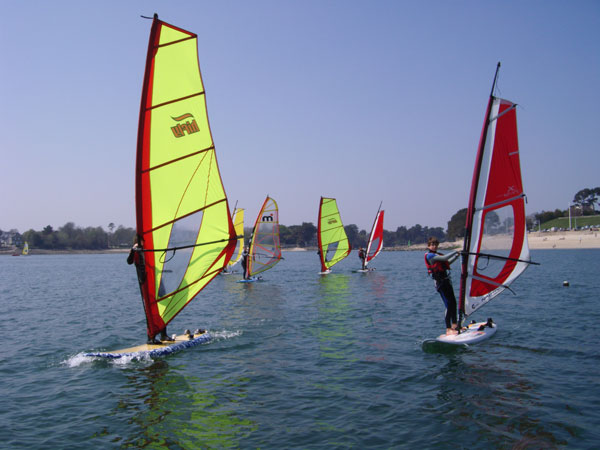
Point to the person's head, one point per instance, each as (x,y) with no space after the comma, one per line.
(433,243)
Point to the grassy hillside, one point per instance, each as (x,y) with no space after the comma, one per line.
(579,222)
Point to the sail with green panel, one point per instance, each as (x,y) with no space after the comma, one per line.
(183,223)
(333,241)
(238,223)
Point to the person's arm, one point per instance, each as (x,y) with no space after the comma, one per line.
(449,258)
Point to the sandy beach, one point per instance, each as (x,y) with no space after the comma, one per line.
(564,239)
(552,240)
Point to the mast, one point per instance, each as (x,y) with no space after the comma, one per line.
(471,207)
(319,243)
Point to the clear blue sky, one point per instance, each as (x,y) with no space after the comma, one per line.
(364,101)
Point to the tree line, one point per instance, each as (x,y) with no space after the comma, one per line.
(70,236)
(305,235)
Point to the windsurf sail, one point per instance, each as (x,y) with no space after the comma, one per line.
(182,215)
(495,248)
(25,249)
(265,247)
(238,224)
(332,239)
(375,238)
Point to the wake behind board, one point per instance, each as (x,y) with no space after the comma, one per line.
(475,333)
(364,270)
(181,342)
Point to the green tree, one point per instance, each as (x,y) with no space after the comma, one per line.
(456,225)
(492,223)
(352,233)
(402,235)
(546,216)
(416,234)
(291,235)
(284,235)
(389,238)
(587,198)
(123,237)
(307,233)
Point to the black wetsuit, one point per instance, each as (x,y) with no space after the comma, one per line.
(444,286)
(245,264)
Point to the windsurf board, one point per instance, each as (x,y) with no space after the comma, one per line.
(180,342)
(475,333)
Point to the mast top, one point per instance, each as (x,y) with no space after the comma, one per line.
(495,79)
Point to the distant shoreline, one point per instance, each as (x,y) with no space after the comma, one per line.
(537,241)
(547,240)
(43,251)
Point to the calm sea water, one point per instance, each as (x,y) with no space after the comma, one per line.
(299,360)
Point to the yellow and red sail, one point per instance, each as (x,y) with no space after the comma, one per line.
(265,246)
(183,220)
(238,223)
(332,239)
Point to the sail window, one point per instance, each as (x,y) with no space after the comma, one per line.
(175,262)
(331,249)
(497,239)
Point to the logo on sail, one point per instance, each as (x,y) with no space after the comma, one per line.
(268,218)
(190,126)
(511,191)
(332,221)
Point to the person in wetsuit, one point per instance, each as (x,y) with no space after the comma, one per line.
(136,256)
(362,256)
(244,263)
(438,266)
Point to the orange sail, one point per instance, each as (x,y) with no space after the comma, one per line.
(265,248)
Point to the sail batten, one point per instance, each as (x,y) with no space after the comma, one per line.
(170,102)
(149,169)
(193,36)
(495,205)
(183,221)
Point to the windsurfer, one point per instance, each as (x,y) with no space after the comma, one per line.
(136,255)
(438,266)
(362,256)
(245,263)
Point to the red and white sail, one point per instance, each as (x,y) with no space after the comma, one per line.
(376,238)
(496,245)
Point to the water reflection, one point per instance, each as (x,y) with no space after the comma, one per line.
(492,402)
(332,325)
(166,408)
(252,304)
(377,336)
